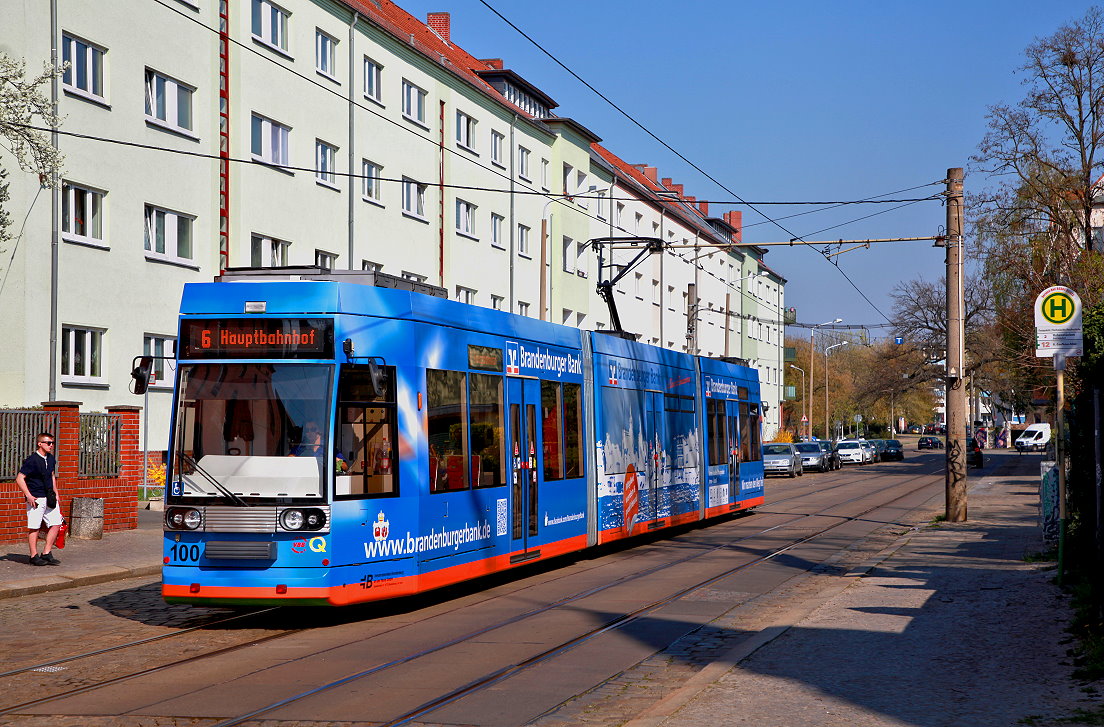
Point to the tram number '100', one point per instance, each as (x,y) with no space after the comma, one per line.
(184,552)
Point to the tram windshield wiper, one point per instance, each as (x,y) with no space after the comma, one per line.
(218,485)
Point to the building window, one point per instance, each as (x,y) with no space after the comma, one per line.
(523,240)
(497,140)
(168,235)
(465,218)
(413,102)
(465,295)
(81,214)
(568,170)
(523,163)
(638,286)
(373,80)
(325,260)
(497,223)
(414,277)
(325,163)
(568,255)
(269,141)
(523,308)
(582,189)
(268,252)
(161,348)
(371,267)
(413,198)
(81,354)
(655,293)
(270,24)
(168,102)
(325,54)
(372,182)
(544,174)
(580,261)
(465,131)
(618,213)
(85,70)
(566,316)
(601,211)
(496,302)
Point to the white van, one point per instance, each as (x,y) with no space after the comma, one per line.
(1035,437)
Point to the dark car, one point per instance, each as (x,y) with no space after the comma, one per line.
(879,448)
(929,443)
(832,455)
(974,457)
(893,450)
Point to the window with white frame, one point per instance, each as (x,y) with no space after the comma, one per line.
(523,308)
(373,182)
(465,131)
(325,54)
(523,240)
(544,175)
(373,80)
(670,297)
(413,198)
(601,211)
(656,299)
(270,24)
(568,254)
(568,171)
(497,141)
(497,301)
(82,354)
(81,214)
(581,189)
(523,163)
(580,320)
(566,316)
(371,267)
(580,259)
(162,348)
(465,218)
(268,252)
(269,141)
(168,235)
(465,295)
(168,102)
(638,285)
(638,219)
(325,260)
(413,102)
(325,163)
(497,226)
(84,74)
(618,213)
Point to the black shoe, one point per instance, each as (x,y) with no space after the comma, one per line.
(49,558)
(38,560)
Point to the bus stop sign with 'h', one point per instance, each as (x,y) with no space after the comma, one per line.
(1058,323)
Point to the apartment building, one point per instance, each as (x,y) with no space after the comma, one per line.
(345,134)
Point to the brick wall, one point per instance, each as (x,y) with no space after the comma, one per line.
(120,494)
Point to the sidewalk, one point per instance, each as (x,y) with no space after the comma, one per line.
(119,555)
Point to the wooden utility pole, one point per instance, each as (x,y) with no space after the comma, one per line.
(955,397)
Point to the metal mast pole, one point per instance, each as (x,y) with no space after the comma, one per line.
(955,397)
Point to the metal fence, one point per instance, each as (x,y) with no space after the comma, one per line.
(100,446)
(18,430)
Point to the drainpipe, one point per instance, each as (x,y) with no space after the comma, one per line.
(513,223)
(54,204)
(441,195)
(352,139)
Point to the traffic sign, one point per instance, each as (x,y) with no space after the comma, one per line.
(804,419)
(1058,323)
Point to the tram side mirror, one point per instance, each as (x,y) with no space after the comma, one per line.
(141,373)
(376,375)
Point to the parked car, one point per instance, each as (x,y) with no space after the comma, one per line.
(879,445)
(916,429)
(781,459)
(1035,437)
(974,457)
(831,454)
(868,450)
(812,457)
(893,450)
(929,443)
(851,451)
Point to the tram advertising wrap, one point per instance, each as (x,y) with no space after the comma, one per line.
(355,443)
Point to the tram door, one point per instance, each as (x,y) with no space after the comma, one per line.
(732,414)
(653,418)
(524,400)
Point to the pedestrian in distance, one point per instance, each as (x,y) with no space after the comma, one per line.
(37,479)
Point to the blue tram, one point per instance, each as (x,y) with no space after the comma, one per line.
(335,441)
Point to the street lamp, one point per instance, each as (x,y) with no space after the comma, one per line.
(812,348)
(803,415)
(826,384)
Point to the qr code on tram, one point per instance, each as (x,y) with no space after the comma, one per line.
(501,517)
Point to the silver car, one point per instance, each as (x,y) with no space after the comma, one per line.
(781,459)
(813,457)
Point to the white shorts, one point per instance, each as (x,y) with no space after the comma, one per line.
(40,513)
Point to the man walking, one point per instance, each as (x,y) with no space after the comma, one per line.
(38,481)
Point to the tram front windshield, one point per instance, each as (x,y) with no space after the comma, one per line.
(252,431)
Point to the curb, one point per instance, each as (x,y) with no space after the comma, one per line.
(89,577)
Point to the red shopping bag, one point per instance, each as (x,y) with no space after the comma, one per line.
(60,540)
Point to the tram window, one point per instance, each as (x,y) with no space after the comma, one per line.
(624,442)
(551,430)
(681,432)
(749,447)
(366,435)
(715,421)
(756,433)
(488,466)
(447,433)
(573,430)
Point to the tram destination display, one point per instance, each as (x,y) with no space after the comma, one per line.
(255,338)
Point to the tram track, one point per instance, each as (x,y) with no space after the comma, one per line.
(504,673)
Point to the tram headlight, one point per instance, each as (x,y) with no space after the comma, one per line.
(183,518)
(305,519)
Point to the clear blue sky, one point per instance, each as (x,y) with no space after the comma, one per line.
(785,101)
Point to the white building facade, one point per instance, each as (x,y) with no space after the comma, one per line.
(343,134)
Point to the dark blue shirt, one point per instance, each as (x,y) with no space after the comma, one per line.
(39,473)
